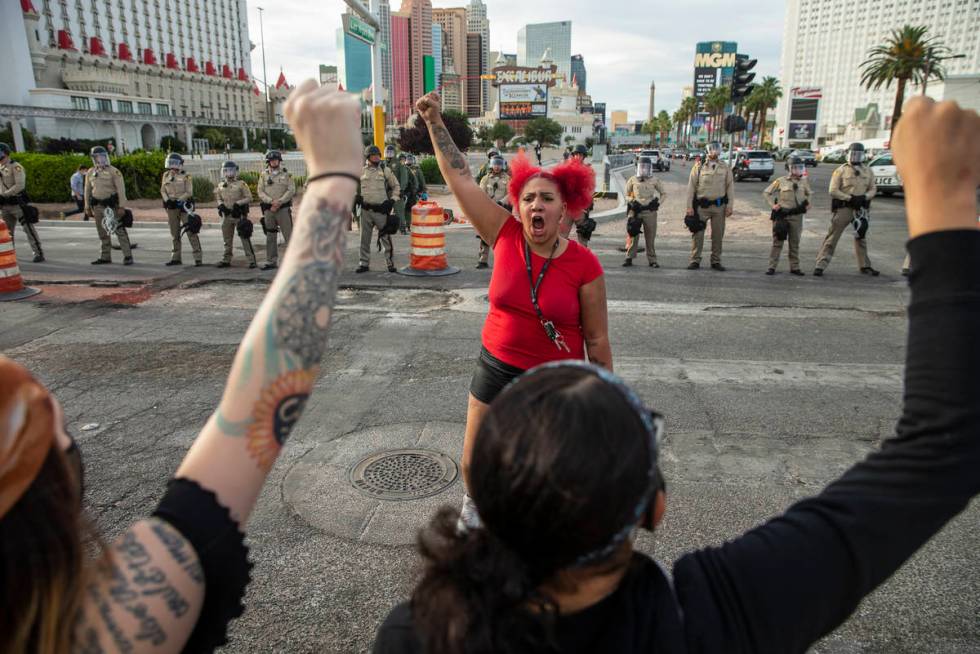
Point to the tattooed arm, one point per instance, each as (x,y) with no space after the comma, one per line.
(149,592)
(486,215)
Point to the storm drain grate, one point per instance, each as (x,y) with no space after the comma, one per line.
(406,474)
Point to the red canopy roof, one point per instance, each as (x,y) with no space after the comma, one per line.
(64,40)
(242,75)
(281,82)
(209,68)
(172,61)
(191,66)
(124,52)
(148,57)
(95,47)
(27,7)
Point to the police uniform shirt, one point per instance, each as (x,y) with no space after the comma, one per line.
(232,193)
(850,180)
(645,189)
(495,185)
(276,186)
(789,193)
(102,183)
(710,180)
(176,186)
(378,184)
(13,179)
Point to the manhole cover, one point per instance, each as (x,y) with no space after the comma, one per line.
(403,474)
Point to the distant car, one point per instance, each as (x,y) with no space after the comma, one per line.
(809,159)
(887,179)
(781,154)
(753,163)
(656,159)
(834,157)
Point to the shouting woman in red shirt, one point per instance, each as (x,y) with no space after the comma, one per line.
(547,294)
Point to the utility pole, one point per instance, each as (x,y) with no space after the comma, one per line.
(265,83)
(377,107)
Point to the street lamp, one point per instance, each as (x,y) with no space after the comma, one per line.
(265,83)
(929,60)
(377,108)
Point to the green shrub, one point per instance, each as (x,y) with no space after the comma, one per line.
(430,168)
(203,189)
(300,182)
(252,179)
(143,173)
(48,175)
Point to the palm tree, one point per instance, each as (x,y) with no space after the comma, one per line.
(905,55)
(664,125)
(678,119)
(768,96)
(690,108)
(715,102)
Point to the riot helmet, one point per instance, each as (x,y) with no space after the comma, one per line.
(644,168)
(580,150)
(372,151)
(174,161)
(100,157)
(389,152)
(855,153)
(273,155)
(4,150)
(493,152)
(229,170)
(497,164)
(713,150)
(795,166)
(410,160)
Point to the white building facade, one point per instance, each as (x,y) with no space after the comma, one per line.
(826,41)
(132,70)
(534,40)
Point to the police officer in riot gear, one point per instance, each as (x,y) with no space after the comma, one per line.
(376,196)
(494,184)
(406,184)
(710,190)
(852,186)
(176,189)
(485,168)
(106,189)
(13,200)
(644,193)
(276,189)
(789,197)
(580,152)
(233,197)
(419,189)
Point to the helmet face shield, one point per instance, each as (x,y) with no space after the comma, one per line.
(174,161)
(855,156)
(797,170)
(229,170)
(644,169)
(389,152)
(410,160)
(100,159)
(497,163)
(713,149)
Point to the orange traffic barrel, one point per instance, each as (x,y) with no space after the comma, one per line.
(11,283)
(428,255)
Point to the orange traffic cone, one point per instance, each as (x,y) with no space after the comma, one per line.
(428,256)
(11,283)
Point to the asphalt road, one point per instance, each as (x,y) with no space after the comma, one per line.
(771,386)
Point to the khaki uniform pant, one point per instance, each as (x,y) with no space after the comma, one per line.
(228,228)
(840,221)
(715,216)
(12,215)
(106,238)
(369,221)
(649,219)
(484,251)
(795,232)
(282,219)
(174,221)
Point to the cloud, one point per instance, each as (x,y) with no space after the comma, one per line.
(625,44)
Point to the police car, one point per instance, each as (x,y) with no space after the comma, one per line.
(886,174)
(656,159)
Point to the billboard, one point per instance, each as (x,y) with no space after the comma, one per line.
(524,75)
(523,93)
(714,62)
(523,110)
(802,131)
(804,110)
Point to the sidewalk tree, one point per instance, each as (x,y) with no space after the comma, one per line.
(767,97)
(501,132)
(715,102)
(543,130)
(907,54)
(415,139)
(663,126)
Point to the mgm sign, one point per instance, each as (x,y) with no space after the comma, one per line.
(714,62)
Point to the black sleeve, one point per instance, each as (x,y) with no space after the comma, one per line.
(220,546)
(783,585)
(396,635)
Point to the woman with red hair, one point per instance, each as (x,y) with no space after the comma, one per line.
(547,294)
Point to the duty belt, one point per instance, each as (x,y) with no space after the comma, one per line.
(718,202)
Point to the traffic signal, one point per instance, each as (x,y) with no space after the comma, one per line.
(734,124)
(742,78)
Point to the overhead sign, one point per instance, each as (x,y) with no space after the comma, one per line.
(524,75)
(523,93)
(523,110)
(805,92)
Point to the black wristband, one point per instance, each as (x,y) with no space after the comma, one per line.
(355,178)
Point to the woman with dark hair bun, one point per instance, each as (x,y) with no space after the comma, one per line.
(547,294)
(564,470)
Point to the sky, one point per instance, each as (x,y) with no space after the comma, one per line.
(626,45)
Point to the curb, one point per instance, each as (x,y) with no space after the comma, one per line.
(137,224)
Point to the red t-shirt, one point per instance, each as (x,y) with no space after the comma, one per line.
(512,331)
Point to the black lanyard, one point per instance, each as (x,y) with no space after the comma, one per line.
(549,327)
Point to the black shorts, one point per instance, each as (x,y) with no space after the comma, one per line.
(491,376)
